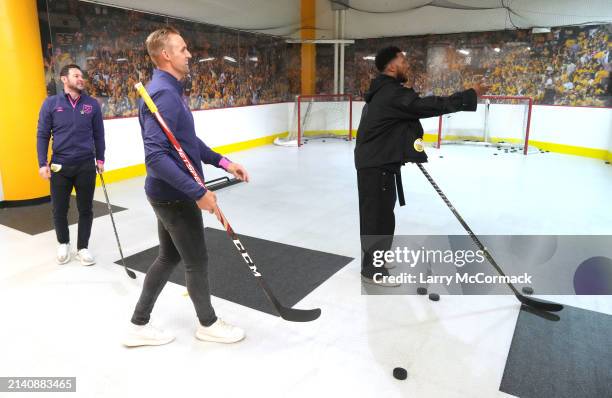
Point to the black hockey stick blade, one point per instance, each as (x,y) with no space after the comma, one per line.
(295,315)
(549,316)
(539,304)
(289,314)
(130,273)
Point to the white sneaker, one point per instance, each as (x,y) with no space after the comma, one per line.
(139,335)
(63,253)
(85,257)
(220,332)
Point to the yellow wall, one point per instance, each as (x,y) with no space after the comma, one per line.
(23,91)
(309,51)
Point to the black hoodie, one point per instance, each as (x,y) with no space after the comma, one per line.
(390,132)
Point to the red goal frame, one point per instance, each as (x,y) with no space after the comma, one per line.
(501,97)
(342,97)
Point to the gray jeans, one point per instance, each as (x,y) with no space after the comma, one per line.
(181,236)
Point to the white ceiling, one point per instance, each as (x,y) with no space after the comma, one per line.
(377,18)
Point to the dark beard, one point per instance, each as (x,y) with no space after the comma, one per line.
(74,88)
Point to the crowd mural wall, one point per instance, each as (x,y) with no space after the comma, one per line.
(229,67)
(570,66)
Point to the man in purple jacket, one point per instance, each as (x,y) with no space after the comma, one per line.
(176,198)
(75,122)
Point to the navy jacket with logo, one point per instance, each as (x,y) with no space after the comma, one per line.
(77,130)
(167,175)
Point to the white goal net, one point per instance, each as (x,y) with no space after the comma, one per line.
(319,116)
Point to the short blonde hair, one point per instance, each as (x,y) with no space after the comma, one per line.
(157,40)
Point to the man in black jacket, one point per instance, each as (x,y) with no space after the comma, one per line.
(390,135)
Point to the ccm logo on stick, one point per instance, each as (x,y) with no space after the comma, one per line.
(245,255)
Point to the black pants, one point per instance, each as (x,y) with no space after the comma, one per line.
(82,178)
(377,196)
(181,236)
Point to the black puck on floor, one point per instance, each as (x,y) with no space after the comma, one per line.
(421,291)
(400,373)
(607,162)
(527,290)
(441,156)
(494,154)
(434,296)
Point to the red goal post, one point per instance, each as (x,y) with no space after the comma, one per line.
(323,115)
(499,119)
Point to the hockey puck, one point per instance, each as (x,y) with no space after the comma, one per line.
(607,162)
(441,156)
(494,154)
(434,296)
(400,373)
(421,291)
(527,290)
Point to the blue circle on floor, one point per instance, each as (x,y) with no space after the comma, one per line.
(594,276)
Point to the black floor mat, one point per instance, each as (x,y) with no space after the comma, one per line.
(291,272)
(569,358)
(37,219)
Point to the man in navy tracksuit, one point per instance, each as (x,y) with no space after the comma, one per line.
(176,197)
(75,122)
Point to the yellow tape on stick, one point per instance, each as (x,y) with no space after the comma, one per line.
(145,96)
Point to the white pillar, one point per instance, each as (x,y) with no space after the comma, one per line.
(336,26)
(342,21)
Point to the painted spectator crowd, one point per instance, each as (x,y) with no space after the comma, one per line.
(228,68)
(568,66)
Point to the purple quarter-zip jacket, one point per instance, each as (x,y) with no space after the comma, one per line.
(167,175)
(76,127)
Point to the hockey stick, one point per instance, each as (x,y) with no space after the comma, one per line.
(130,273)
(531,302)
(288,314)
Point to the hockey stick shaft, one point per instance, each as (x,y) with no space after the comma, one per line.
(286,313)
(130,273)
(525,300)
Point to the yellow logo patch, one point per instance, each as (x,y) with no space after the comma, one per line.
(418,145)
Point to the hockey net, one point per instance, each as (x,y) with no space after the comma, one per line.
(319,116)
(499,121)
